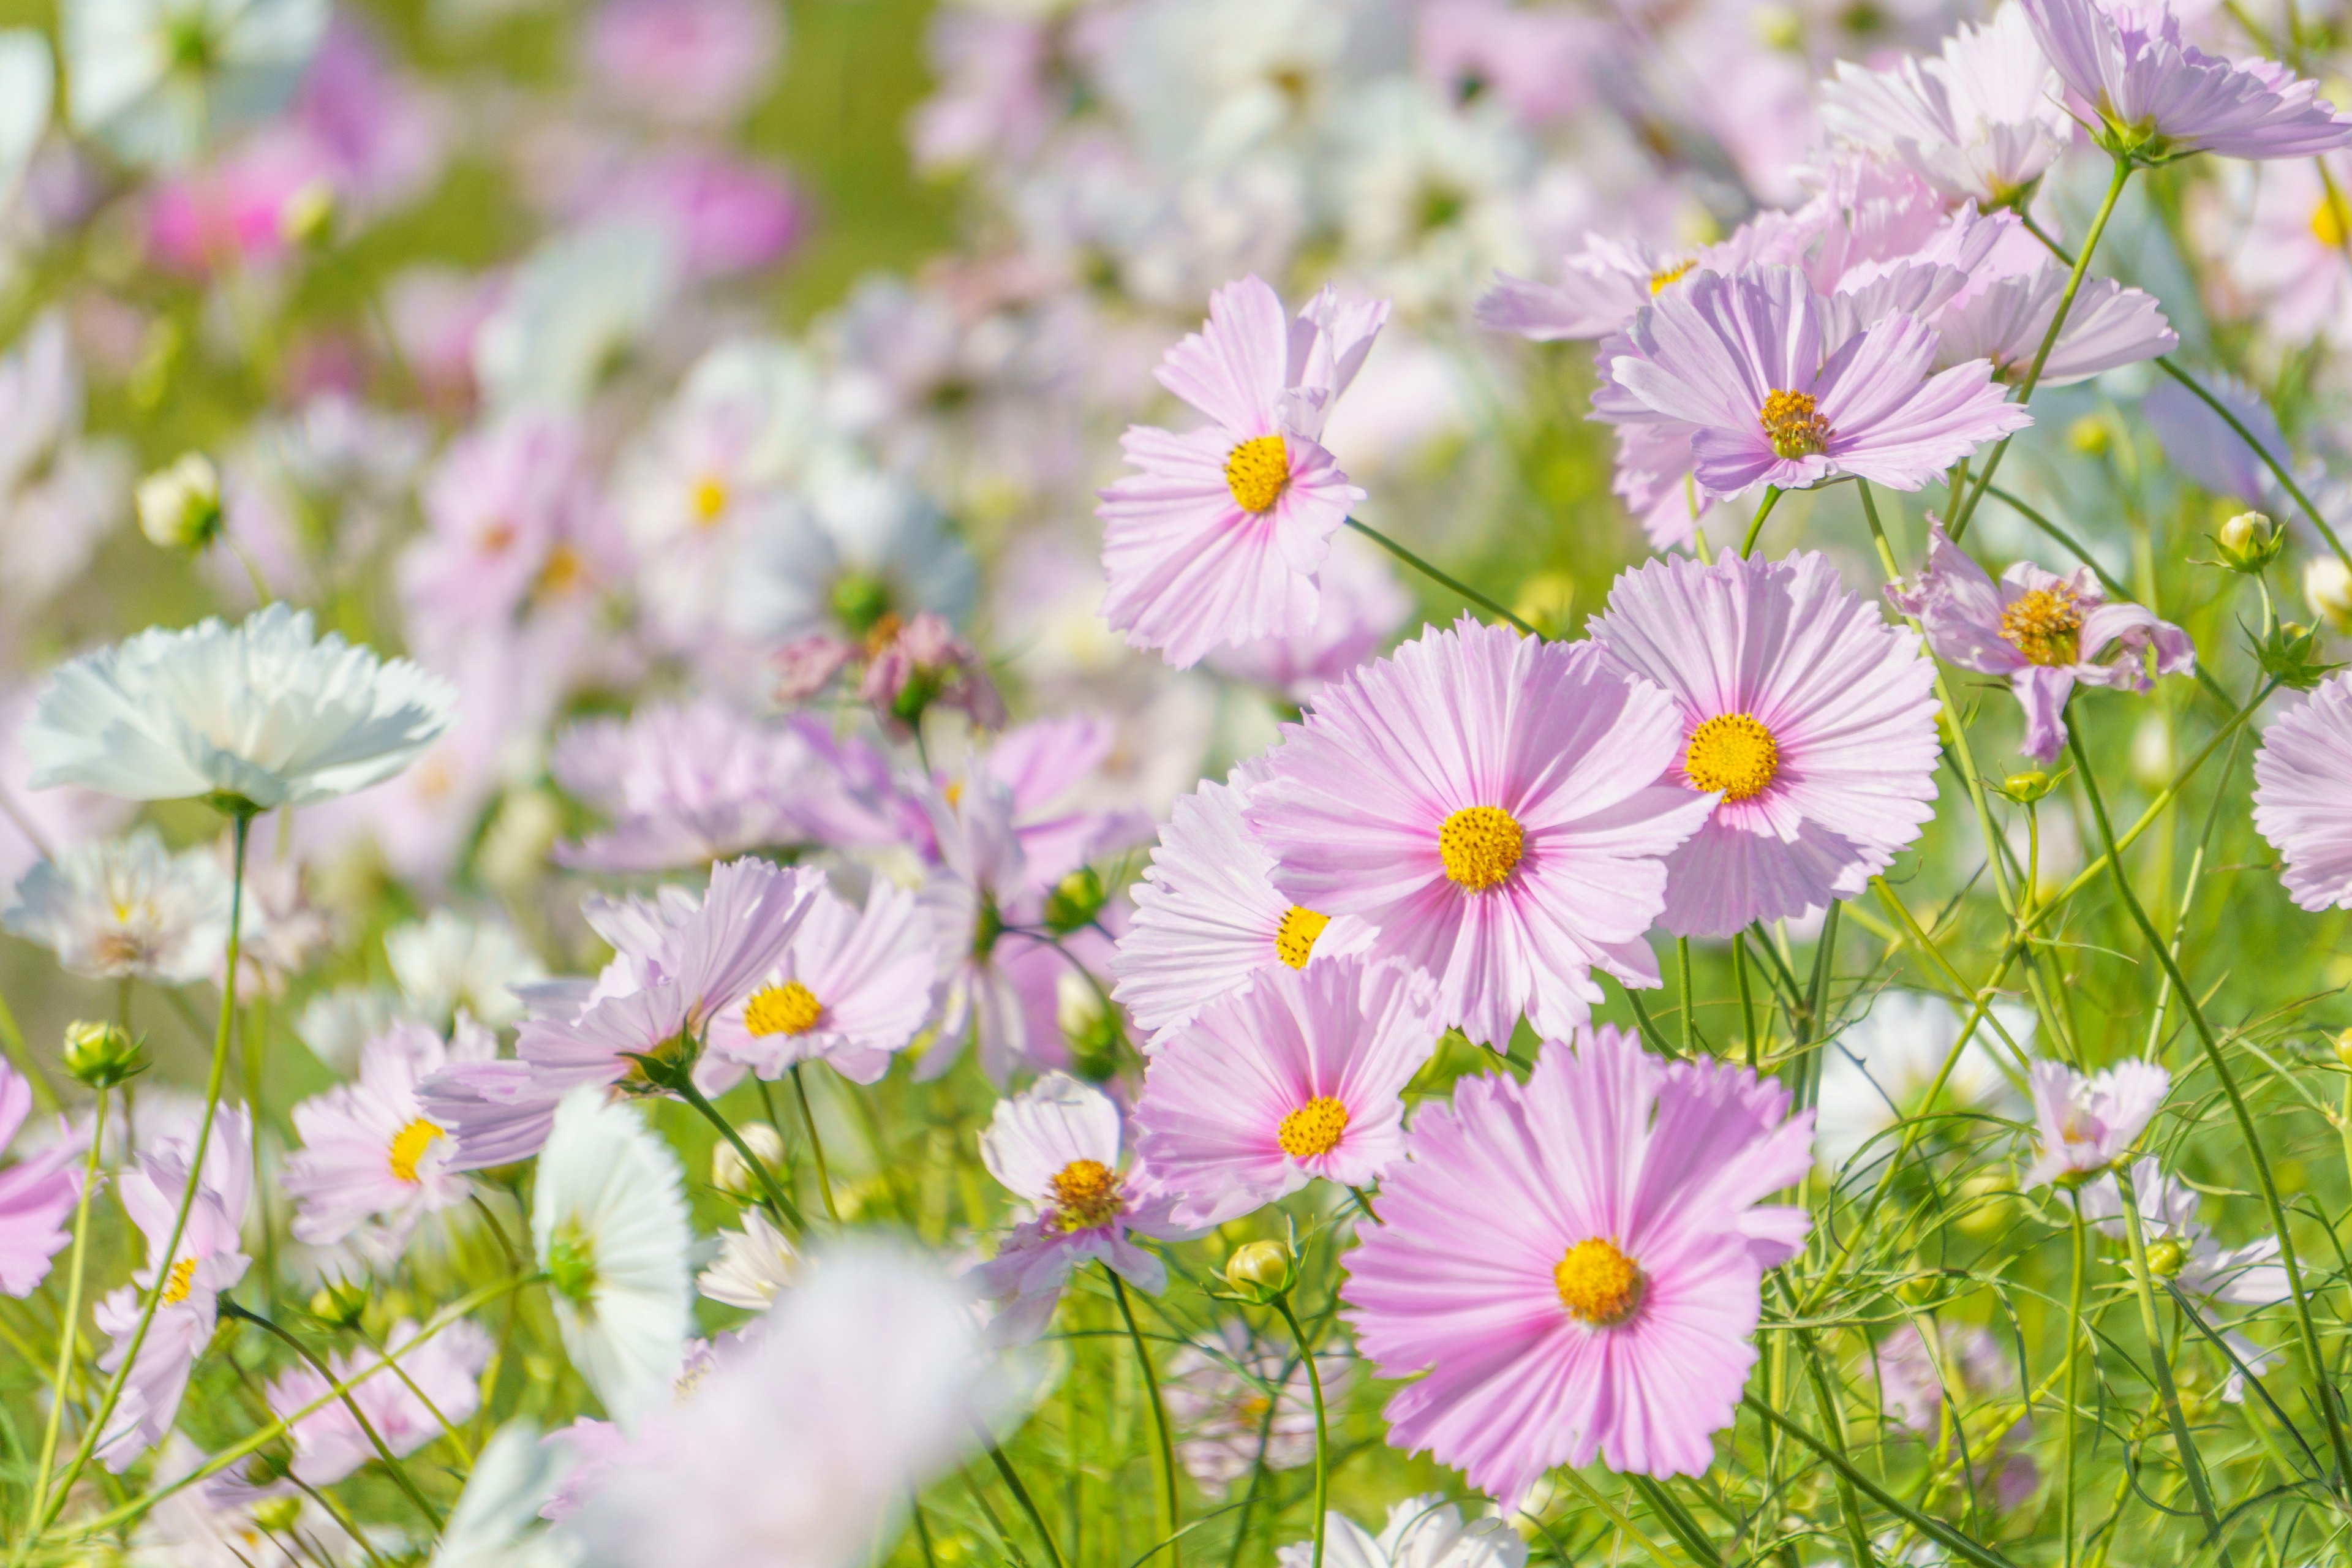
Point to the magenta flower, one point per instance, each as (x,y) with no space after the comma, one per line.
(1810,719)
(1577,1262)
(1055,1147)
(2158,98)
(2300,796)
(1219,538)
(369,1151)
(2043,631)
(851,989)
(1208,918)
(1489,801)
(1751,362)
(36,1195)
(2086,1124)
(1302,1076)
(436,1383)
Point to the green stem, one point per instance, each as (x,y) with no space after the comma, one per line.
(72,1325)
(1159,1415)
(1763,509)
(816,1146)
(2278,469)
(2309,1331)
(169,1256)
(1440,578)
(2049,341)
(1683,965)
(1935,1529)
(683,1082)
(1747,998)
(1028,1505)
(1322,1432)
(2066,1485)
(2160,1360)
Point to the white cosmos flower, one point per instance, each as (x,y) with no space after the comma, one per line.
(1876,1070)
(447,964)
(127,908)
(497,1522)
(26,88)
(753,1265)
(159,78)
(608,1223)
(265,711)
(1422,1532)
(577,304)
(861,544)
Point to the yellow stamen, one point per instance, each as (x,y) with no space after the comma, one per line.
(1256,472)
(1732,753)
(1597,1284)
(710,500)
(179,1282)
(408,1146)
(1793,426)
(790,1008)
(2045,625)
(1480,845)
(2328,221)
(1313,1128)
(1660,278)
(1295,942)
(1085,1195)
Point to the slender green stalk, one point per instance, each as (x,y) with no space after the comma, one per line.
(816,1146)
(2278,469)
(2123,169)
(1322,1430)
(1857,1534)
(1452,584)
(2066,1458)
(2160,1360)
(2315,1357)
(683,1082)
(1159,1417)
(1028,1504)
(1690,1002)
(1763,509)
(1746,999)
(1676,1518)
(167,1259)
(70,1323)
(1935,1529)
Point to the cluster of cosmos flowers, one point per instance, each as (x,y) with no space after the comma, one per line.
(921,944)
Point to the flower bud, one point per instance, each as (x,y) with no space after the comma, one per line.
(2250,541)
(2344,1048)
(2248,528)
(1259,1270)
(340,1303)
(306,221)
(180,507)
(2026,787)
(729,1175)
(1075,899)
(276,1515)
(2327,589)
(2166,1257)
(102,1055)
(2090,435)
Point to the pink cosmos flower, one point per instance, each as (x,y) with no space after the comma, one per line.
(1360,606)
(1487,801)
(1538,62)
(494,1112)
(369,1151)
(502,511)
(2285,249)
(683,787)
(2043,631)
(1810,719)
(1238,1399)
(207,1263)
(438,1382)
(925,665)
(993,96)
(1053,769)
(1207,919)
(239,210)
(1978,119)
(1219,538)
(2299,794)
(1601,289)
(2248,1276)
(725,214)
(36,1195)
(1055,1147)
(1301,1076)
(2158,98)
(1577,1262)
(1751,363)
(2086,1124)
(1912,1377)
(2107,325)
(688,62)
(851,989)
(997,987)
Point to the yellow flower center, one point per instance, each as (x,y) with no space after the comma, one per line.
(1085,1195)
(2045,625)
(710,500)
(408,1146)
(2328,221)
(1295,942)
(1732,753)
(179,1282)
(1313,1128)
(1794,428)
(1480,845)
(790,1008)
(1597,1284)
(1659,279)
(1256,472)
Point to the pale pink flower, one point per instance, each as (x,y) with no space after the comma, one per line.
(369,1151)
(2300,797)
(1577,1262)
(688,62)
(1360,606)
(684,786)
(2005,320)
(406,1405)
(997,987)
(2086,1124)
(851,989)
(1978,119)
(1239,1401)
(36,1193)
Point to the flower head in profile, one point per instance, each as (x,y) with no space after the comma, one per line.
(1301,1076)
(1424,1531)
(2007,321)
(36,1193)
(2083,1125)
(852,988)
(2045,631)
(1978,119)
(2301,795)
(127,908)
(1218,539)
(2158,98)
(369,1152)
(1752,365)
(996,985)
(1207,919)
(1233,1394)
(1491,803)
(1810,721)
(1577,1262)
(753,1267)
(259,715)
(1055,1147)
(436,1382)
(608,1226)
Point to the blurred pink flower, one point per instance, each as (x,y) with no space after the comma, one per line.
(406,1405)
(2299,773)
(726,214)
(36,1193)
(240,210)
(2085,1124)
(689,61)
(684,786)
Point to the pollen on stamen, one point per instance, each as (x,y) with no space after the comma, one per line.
(1597,1283)
(1294,943)
(1256,472)
(1665,275)
(179,1282)
(1793,425)
(1481,846)
(2045,625)
(1085,1195)
(408,1146)
(1733,752)
(1315,1128)
(790,1008)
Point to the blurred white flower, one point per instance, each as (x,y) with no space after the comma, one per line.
(446,965)
(497,1522)
(753,1265)
(1423,1533)
(1878,1070)
(159,81)
(127,908)
(576,305)
(862,545)
(27,93)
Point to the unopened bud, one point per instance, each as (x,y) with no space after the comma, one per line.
(729,1175)
(2248,528)
(102,1055)
(306,221)
(2327,589)
(1259,1270)
(180,507)
(2250,541)
(276,1515)
(2166,1257)
(2344,1048)
(339,1304)
(2090,435)
(1074,902)
(2028,785)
